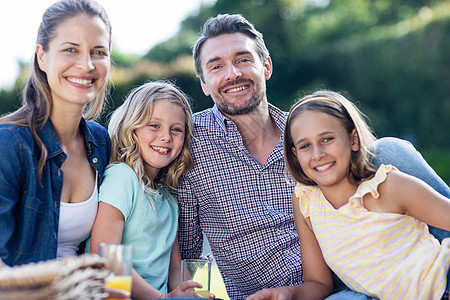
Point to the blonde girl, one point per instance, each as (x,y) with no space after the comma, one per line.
(150,136)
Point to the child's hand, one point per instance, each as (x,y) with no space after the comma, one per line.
(181,290)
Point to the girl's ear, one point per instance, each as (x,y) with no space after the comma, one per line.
(294,151)
(354,140)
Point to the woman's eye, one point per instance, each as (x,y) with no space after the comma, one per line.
(100,52)
(327,139)
(69,50)
(153,126)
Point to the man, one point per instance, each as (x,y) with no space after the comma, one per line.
(237,193)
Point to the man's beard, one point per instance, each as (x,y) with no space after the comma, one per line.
(229,108)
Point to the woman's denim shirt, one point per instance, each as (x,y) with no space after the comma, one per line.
(29,211)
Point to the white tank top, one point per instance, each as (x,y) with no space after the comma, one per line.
(75,223)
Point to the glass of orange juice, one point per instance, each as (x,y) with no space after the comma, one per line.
(119,260)
(198,270)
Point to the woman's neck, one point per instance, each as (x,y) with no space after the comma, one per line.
(67,126)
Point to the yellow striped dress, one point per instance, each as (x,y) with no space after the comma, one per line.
(386,255)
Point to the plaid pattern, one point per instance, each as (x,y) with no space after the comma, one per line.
(243,208)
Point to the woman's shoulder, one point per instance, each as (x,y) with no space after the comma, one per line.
(97,130)
(10,133)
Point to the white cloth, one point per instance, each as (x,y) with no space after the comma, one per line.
(75,223)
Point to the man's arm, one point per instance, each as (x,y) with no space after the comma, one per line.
(190,236)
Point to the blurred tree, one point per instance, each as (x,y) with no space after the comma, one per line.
(390,56)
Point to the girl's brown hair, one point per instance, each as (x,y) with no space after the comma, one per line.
(349,115)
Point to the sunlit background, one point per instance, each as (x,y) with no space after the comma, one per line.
(156,20)
(391,57)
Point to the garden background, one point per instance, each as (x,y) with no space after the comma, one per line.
(391,57)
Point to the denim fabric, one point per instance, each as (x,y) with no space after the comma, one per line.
(349,295)
(406,158)
(29,210)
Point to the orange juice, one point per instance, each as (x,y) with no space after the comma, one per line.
(121,282)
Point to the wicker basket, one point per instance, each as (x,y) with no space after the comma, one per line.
(81,277)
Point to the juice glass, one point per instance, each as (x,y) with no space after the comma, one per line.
(198,270)
(119,259)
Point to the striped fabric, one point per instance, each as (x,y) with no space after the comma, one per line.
(387,255)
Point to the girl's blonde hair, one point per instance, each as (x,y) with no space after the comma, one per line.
(350,116)
(134,113)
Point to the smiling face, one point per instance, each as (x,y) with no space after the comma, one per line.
(233,74)
(77,60)
(162,138)
(323,147)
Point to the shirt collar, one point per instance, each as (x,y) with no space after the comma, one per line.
(51,142)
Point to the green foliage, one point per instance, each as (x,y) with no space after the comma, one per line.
(389,56)
(123,60)
(172,48)
(439,160)
(9,101)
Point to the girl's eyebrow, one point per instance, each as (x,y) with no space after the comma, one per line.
(320,134)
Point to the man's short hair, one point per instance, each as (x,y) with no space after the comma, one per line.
(226,24)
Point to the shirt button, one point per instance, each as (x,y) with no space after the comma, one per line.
(95,160)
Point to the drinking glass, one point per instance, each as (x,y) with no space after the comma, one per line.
(198,270)
(119,259)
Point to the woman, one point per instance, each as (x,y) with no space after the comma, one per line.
(52,157)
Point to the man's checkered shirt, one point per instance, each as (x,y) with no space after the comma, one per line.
(244,208)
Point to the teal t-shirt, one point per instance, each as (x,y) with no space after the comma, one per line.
(151,234)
